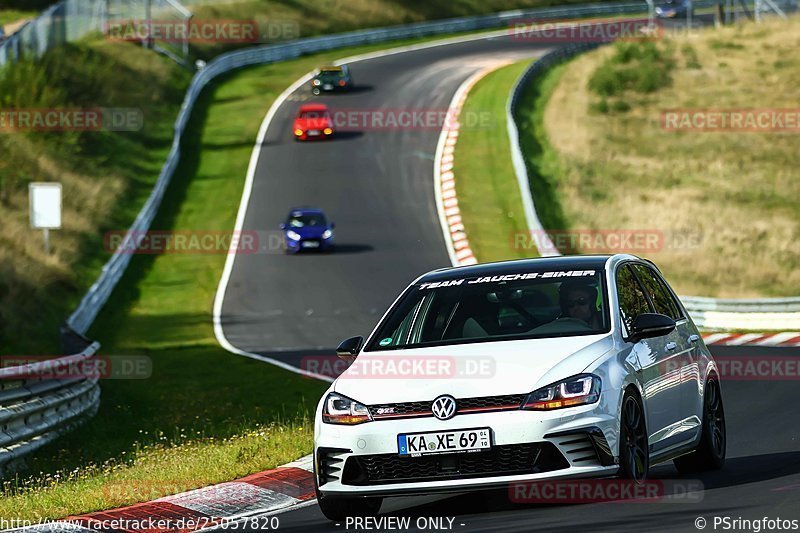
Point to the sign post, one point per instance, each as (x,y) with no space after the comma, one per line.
(45,208)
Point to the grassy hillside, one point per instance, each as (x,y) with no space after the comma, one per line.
(105,176)
(725,202)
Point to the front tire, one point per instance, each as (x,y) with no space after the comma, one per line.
(634,455)
(710,453)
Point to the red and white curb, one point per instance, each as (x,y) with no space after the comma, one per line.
(215,506)
(455,236)
(786,339)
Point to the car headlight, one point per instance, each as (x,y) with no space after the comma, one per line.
(340,409)
(298,132)
(327,131)
(293,235)
(316,82)
(582,389)
(327,234)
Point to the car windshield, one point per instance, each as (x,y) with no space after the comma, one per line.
(331,74)
(494,308)
(301,221)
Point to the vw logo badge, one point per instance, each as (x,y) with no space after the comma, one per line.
(444,407)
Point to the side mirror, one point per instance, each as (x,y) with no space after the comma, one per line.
(349,348)
(648,325)
(333,225)
(283,226)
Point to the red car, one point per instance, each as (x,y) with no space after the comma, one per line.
(313,122)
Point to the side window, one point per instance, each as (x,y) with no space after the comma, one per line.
(632,301)
(658,292)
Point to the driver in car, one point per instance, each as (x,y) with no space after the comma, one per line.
(579,301)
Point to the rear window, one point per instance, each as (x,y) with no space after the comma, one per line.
(331,74)
(494,308)
(313,114)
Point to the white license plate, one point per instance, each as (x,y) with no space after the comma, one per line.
(327,87)
(310,244)
(313,132)
(459,441)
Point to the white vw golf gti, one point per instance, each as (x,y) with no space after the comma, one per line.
(481,376)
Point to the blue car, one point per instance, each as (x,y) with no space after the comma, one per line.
(307,228)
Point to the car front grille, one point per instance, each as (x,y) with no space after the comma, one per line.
(463,406)
(506,460)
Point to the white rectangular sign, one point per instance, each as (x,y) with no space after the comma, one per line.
(45,205)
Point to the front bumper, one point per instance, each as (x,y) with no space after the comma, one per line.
(309,245)
(362,460)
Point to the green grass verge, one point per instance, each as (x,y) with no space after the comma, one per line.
(540,159)
(488,195)
(198,393)
(106,177)
(488,191)
(8,16)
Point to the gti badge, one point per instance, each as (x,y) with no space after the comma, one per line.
(444,407)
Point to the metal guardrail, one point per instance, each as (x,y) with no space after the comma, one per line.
(716,313)
(41,400)
(99,293)
(71,20)
(766,305)
(537,68)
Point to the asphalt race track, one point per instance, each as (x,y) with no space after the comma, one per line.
(761,479)
(376,185)
(378,188)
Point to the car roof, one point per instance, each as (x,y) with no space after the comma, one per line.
(568,262)
(313,107)
(306,210)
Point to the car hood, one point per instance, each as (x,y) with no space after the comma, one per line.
(468,370)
